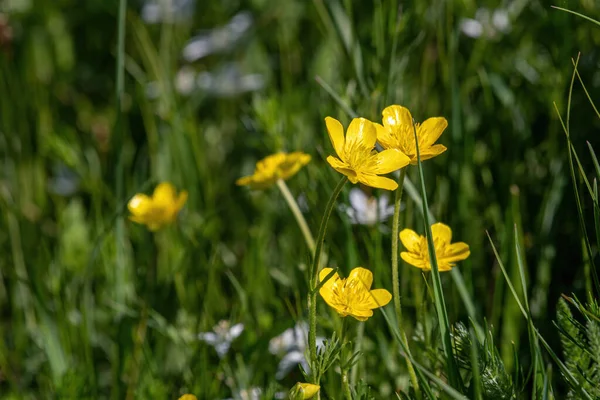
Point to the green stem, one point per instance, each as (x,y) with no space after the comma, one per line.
(440,303)
(291,201)
(396,281)
(314,277)
(344,360)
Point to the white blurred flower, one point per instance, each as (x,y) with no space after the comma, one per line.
(471,27)
(155,11)
(488,24)
(228,81)
(365,210)
(247,394)
(254,393)
(222,336)
(291,346)
(185,80)
(218,40)
(500,20)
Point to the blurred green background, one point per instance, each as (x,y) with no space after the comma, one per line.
(94,306)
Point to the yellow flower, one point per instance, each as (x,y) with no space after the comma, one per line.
(188,397)
(304,391)
(446,253)
(160,209)
(274,167)
(358,159)
(353,296)
(397,133)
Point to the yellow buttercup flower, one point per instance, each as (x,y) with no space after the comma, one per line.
(397,133)
(160,209)
(304,391)
(446,253)
(353,296)
(274,167)
(188,397)
(358,159)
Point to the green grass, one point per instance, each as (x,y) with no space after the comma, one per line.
(95,306)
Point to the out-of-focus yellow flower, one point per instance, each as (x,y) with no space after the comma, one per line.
(188,397)
(358,159)
(397,133)
(274,167)
(304,391)
(160,209)
(446,253)
(353,295)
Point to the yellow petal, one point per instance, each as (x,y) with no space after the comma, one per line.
(379,298)
(416,260)
(188,397)
(336,135)
(429,152)
(308,390)
(383,136)
(323,274)
(326,291)
(164,194)
(361,133)
(379,182)
(361,312)
(139,204)
(430,130)
(183,196)
(441,232)
(390,160)
(396,118)
(411,240)
(343,168)
(246,180)
(456,252)
(360,276)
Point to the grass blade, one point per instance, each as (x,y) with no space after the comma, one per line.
(440,302)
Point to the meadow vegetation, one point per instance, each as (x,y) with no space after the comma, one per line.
(226,199)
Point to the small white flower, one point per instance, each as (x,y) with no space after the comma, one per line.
(365,210)
(155,11)
(218,40)
(291,346)
(185,80)
(229,81)
(500,20)
(222,336)
(471,27)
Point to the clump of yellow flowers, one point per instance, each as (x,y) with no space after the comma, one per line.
(353,296)
(358,159)
(446,253)
(158,210)
(274,167)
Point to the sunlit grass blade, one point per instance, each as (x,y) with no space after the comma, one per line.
(590,268)
(578,14)
(440,302)
(476,380)
(343,105)
(454,273)
(421,370)
(536,355)
(563,368)
(118,141)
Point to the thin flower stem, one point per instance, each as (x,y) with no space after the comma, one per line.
(293,204)
(396,280)
(344,360)
(314,275)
